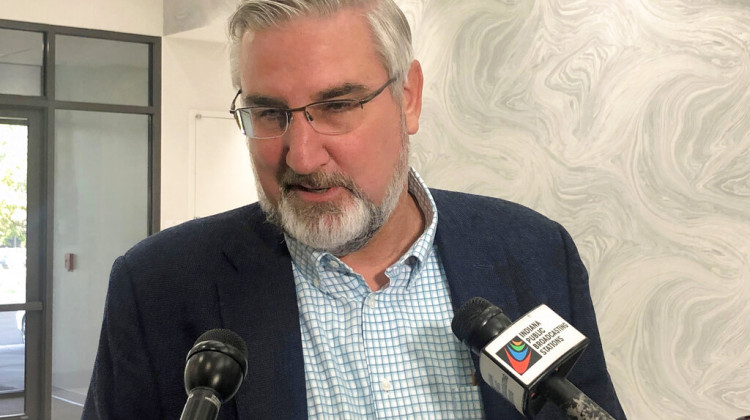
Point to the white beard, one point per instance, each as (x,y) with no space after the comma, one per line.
(338,228)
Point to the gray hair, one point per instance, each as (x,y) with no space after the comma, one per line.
(387,23)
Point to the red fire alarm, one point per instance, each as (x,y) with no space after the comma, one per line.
(70,262)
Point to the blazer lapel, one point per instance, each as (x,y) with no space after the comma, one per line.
(474,267)
(259,303)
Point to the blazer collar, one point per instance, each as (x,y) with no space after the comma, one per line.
(259,302)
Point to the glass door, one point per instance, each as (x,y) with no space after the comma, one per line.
(20,303)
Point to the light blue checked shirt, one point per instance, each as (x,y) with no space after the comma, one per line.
(383,354)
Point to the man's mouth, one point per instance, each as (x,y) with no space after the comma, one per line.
(316,186)
(310,189)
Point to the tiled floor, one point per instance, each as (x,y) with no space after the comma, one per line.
(62,409)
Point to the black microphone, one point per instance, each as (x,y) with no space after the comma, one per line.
(526,361)
(215,369)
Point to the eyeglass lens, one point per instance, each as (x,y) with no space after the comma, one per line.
(334,117)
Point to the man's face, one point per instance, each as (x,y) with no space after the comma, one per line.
(329,191)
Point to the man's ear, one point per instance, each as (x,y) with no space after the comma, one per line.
(412,97)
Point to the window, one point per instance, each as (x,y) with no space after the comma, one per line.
(79,131)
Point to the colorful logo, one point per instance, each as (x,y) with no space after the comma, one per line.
(518,355)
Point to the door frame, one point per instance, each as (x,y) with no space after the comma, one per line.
(38,330)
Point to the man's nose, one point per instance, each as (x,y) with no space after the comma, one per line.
(306,148)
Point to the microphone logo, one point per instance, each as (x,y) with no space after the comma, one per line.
(518,355)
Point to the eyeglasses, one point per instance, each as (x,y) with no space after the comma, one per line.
(338,116)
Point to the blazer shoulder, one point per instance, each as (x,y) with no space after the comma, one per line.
(246,224)
(484,212)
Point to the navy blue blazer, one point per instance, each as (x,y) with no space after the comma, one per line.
(233,271)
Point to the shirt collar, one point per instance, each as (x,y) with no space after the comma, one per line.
(314,264)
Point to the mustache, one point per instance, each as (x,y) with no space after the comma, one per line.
(318,180)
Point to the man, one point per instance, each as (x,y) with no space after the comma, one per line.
(345,298)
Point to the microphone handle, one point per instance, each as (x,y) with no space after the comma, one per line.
(571,400)
(202,404)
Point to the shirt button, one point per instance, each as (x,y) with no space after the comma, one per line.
(386,385)
(335,264)
(372,301)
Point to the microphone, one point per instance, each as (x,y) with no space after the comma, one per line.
(526,361)
(215,369)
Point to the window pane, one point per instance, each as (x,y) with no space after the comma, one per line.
(13,163)
(13,204)
(12,363)
(21,59)
(101,71)
(101,210)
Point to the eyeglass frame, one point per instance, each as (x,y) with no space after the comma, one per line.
(288,112)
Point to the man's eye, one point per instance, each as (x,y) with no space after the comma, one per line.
(269,114)
(338,106)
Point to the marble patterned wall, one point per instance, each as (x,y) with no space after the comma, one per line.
(627,122)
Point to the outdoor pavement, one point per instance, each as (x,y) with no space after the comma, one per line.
(12,353)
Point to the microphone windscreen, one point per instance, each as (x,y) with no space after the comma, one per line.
(469,314)
(225,336)
(478,322)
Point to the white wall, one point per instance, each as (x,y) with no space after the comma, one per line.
(142,17)
(195,77)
